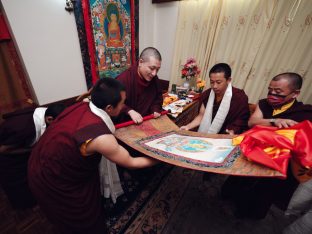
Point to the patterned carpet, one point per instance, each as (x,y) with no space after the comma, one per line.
(185,204)
(138,190)
(175,200)
(139,187)
(154,216)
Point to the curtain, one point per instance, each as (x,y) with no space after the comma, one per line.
(14,91)
(257,38)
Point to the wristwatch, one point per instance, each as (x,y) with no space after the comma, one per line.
(272,121)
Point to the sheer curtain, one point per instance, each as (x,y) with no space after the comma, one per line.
(257,38)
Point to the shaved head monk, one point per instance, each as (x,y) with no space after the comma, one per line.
(63,167)
(144,93)
(254,196)
(280,108)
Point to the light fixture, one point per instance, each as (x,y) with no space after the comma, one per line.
(69,5)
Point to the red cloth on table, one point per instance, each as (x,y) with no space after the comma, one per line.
(259,138)
(128,123)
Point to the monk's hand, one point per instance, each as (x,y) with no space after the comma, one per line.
(230,132)
(284,123)
(135,116)
(184,128)
(156,115)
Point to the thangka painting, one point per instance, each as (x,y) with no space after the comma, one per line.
(212,152)
(112,23)
(161,139)
(110,32)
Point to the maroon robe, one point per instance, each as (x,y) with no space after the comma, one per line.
(298,111)
(237,118)
(254,196)
(18,128)
(66,183)
(142,96)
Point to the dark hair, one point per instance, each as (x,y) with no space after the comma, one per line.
(222,67)
(54,110)
(294,79)
(106,92)
(150,52)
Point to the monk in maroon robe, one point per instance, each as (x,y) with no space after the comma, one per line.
(238,115)
(144,93)
(235,120)
(19,131)
(19,127)
(63,167)
(254,196)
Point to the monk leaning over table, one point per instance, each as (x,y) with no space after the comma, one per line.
(144,97)
(63,167)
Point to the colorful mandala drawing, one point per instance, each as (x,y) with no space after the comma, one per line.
(186,144)
(199,151)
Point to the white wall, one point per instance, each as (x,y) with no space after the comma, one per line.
(157,27)
(47,41)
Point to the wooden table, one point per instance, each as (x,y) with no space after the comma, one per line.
(236,164)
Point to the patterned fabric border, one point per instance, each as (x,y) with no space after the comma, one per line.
(238,164)
(83,41)
(90,39)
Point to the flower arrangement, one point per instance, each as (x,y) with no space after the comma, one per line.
(190,69)
(200,84)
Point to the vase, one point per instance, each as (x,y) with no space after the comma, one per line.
(200,90)
(186,84)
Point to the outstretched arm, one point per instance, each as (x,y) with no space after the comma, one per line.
(108,146)
(197,120)
(257,119)
(135,116)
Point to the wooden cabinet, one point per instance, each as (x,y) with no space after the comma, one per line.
(188,114)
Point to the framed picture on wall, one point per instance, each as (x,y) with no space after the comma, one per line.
(111,35)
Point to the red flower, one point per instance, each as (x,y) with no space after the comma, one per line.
(190,69)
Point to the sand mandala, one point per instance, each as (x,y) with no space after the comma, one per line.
(190,147)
